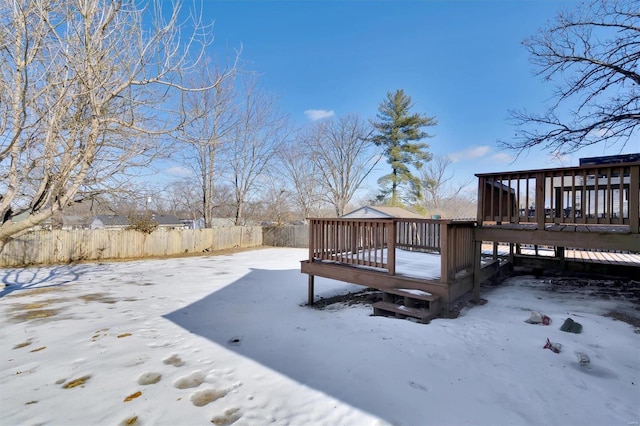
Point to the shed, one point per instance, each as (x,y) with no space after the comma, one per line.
(382,212)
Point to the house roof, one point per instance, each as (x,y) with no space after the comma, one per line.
(383,212)
(166,219)
(112,219)
(502,186)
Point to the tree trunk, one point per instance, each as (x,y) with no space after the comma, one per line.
(239,213)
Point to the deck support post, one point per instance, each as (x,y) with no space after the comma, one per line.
(477,255)
(311,292)
(561,257)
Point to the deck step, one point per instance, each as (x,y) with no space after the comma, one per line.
(413,294)
(412,298)
(401,311)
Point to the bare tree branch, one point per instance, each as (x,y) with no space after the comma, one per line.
(214,119)
(343,155)
(256,140)
(594,55)
(86,87)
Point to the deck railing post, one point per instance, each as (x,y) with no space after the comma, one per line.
(391,247)
(540,189)
(312,225)
(444,252)
(312,231)
(481,187)
(634,207)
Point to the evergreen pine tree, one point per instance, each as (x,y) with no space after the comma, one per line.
(399,133)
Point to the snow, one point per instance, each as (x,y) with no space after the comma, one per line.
(227,339)
(408,263)
(415,292)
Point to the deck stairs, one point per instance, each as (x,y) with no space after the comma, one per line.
(418,305)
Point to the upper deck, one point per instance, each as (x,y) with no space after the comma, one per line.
(589,206)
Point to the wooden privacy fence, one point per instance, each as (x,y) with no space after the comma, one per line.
(286,236)
(62,246)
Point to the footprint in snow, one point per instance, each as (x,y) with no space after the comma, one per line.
(229,416)
(149,378)
(192,380)
(202,397)
(418,386)
(174,360)
(165,344)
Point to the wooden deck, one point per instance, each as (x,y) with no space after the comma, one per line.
(591,207)
(437,257)
(588,220)
(591,214)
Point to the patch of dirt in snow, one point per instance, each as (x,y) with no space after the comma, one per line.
(621,316)
(364,297)
(613,288)
(589,287)
(598,288)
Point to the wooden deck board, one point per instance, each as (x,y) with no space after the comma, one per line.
(576,255)
(413,293)
(595,237)
(420,314)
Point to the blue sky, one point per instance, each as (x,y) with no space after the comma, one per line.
(460,61)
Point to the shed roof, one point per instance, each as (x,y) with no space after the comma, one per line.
(382,212)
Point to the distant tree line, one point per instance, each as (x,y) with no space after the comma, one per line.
(94,94)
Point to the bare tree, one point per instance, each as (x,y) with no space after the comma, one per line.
(85,87)
(182,199)
(275,201)
(214,119)
(255,140)
(437,184)
(594,52)
(302,177)
(343,155)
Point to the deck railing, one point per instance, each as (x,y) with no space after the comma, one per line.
(352,241)
(587,195)
(418,235)
(373,242)
(456,249)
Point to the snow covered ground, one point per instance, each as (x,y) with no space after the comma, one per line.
(226,339)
